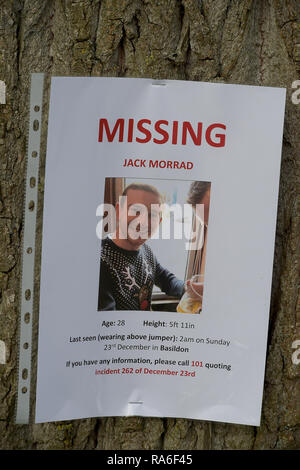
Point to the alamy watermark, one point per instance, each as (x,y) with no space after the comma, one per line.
(296,93)
(160,221)
(2,352)
(2,92)
(296,354)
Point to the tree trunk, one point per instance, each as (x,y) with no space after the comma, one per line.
(250,42)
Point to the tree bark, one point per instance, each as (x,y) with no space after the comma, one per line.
(250,42)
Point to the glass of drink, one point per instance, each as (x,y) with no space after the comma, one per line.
(191,301)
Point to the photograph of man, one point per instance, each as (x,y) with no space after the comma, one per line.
(128,268)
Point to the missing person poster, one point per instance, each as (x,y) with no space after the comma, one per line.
(158,240)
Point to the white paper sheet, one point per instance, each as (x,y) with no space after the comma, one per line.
(88,363)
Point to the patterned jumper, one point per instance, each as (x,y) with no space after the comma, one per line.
(127,278)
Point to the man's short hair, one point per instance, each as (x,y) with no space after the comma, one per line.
(197,191)
(142,187)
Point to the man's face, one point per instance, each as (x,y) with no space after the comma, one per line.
(138,216)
